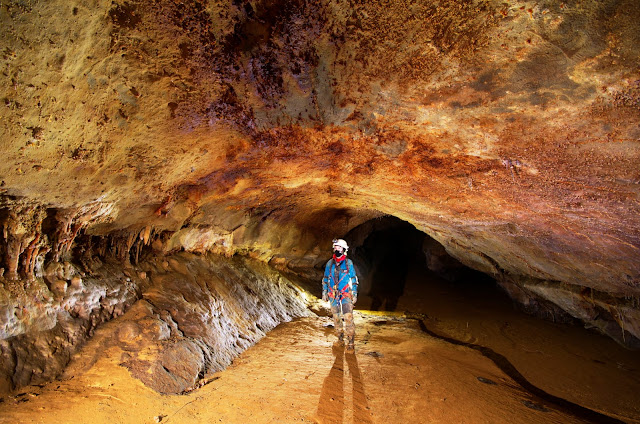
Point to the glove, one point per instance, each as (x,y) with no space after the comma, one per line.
(325,297)
(355,298)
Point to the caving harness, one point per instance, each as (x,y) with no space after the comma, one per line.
(334,291)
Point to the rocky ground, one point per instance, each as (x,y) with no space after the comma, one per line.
(184,315)
(399,373)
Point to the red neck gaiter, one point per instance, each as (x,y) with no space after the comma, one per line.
(340,259)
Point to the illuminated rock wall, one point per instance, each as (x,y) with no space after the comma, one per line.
(191,316)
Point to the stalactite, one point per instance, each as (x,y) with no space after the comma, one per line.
(29,260)
(102,249)
(23,234)
(145,234)
(64,219)
(74,232)
(72,221)
(14,249)
(144,238)
(38,261)
(127,242)
(131,239)
(138,249)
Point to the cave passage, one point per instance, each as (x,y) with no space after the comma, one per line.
(394,257)
(388,253)
(403,270)
(173,173)
(445,344)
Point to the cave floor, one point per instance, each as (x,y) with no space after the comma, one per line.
(399,374)
(295,374)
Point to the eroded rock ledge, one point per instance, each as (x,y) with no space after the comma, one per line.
(191,314)
(203,308)
(199,313)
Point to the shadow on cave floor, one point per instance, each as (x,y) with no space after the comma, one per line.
(468,308)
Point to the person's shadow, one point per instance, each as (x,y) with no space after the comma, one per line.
(332,406)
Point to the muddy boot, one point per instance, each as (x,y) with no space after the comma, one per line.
(350,345)
(340,341)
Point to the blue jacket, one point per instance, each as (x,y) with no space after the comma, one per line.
(347,281)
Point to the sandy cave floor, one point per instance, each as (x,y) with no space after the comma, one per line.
(295,375)
(399,374)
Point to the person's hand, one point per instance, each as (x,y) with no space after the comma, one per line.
(325,297)
(355,299)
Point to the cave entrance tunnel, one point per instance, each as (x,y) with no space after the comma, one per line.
(401,269)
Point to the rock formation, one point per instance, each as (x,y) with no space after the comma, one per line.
(507,132)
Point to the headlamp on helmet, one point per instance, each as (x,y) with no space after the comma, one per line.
(341,243)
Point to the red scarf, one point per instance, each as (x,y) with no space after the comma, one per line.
(340,259)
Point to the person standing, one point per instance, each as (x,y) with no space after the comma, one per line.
(340,289)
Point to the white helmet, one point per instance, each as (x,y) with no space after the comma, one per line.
(341,243)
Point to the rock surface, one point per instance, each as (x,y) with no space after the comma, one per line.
(199,316)
(507,132)
(191,318)
(42,326)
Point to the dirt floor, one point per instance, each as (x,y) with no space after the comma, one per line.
(399,373)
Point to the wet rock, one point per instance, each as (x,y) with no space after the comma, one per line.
(535,406)
(486,381)
(615,317)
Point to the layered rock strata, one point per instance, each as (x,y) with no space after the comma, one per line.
(199,313)
(44,321)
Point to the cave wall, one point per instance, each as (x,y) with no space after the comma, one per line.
(507,132)
(199,314)
(44,321)
(176,318)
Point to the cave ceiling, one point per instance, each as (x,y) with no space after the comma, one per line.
(508,131)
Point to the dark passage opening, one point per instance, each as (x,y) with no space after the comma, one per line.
(389,252)
(402,269)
